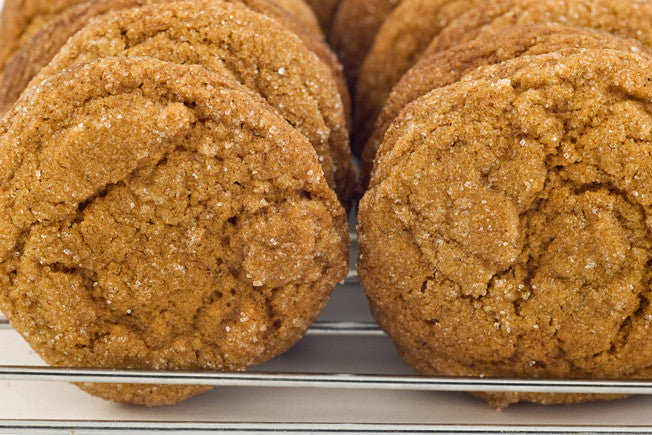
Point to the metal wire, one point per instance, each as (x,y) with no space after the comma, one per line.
(314,380)
(53,426)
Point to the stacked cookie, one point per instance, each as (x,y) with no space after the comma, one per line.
(171,172)
(325,11)
(22,19)
(422,28)
(354,29)
(507,227)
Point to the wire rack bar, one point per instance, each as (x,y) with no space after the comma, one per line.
(342,381)
(91,427)
(352,329)
(315,380)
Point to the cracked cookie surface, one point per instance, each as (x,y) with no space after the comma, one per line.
(161,216)
(439,69)
(277,65)
(508,228)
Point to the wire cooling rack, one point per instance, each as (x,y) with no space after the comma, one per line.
(308,383)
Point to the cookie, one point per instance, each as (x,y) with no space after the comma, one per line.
(161,216)
(354,29)
(278,65)
(21,19)
(41,48)
(302,11)
(508,228)
(403,37)
(626,18)
(325,10)
(439,69)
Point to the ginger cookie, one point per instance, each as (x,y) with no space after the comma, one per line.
(40,49)
(278,66)
(508,228)
(161,216)
(632,18)
(436,70)
(354,29)
(21,19)
(303,12)
(325,10)
(400,41)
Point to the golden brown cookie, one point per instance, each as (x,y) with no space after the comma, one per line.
(632,18)
(278,65)
(161,216)
(21,19)
(403,37)
(354,29)
(325,10)
(302,11)
(508,228)
(37,52)
(439,69)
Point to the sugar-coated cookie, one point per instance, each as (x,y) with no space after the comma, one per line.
(439,69)
(254,49)
(22,19)
(404,35)
(161,216)
(354,29)
(508,228)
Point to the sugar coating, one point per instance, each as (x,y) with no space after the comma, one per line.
(23,19)
(508,228)
(463,20)
(438,69)
(38,49)
(158,216)
(233,40)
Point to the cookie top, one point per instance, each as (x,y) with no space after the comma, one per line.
(508,227)
(38,51)
(626,18)
(400,41)
(354,29)
(21,19)
(278,65)
(188,225)
(440,69)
